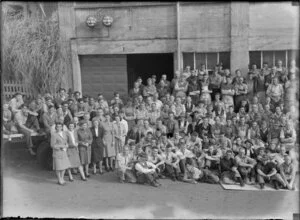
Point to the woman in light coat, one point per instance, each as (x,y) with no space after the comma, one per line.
(59,145)
(73,152)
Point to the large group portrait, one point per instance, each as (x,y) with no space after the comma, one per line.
(150,110)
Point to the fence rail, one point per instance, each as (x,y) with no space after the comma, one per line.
(12,87)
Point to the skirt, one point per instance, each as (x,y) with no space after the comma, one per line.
(97,154)
(73,155)
(60,160)
(85,154)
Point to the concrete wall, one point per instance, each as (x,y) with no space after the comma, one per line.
(273,26)
(150,27)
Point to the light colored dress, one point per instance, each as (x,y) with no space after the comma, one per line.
(59,145)
(72,151)
(108,137)
(85,152)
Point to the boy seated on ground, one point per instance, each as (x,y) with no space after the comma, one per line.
(145,171)
(158,161)
(267,172)
(213,156)
(194,175)
(183,154)
(125,166)
(288,172)
(229,172)
(245,166)
(171,163)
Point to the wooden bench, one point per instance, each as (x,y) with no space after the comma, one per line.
(16,137)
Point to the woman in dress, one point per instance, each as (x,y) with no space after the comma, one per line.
(119,134)
(97,146)
(85,139)
(73,153)
(59,145)
(130,114)
(107,135)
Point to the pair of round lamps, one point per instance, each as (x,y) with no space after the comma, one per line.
(91,21)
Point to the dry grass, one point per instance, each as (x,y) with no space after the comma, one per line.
(34,53)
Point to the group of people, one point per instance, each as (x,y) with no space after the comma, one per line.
(198,127)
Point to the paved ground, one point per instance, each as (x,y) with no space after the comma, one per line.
(31,191)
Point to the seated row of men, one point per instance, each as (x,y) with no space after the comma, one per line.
(191,163)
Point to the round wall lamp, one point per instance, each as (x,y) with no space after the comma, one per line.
(107,20)
(91,21)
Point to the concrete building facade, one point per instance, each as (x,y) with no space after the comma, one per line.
(148,38)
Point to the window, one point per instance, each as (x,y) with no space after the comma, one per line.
(271,57)
(195,60)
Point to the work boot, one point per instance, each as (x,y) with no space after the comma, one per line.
(31,152)
(241,181)
(276,186)
(262,186)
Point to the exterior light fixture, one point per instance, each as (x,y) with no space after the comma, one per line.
(91,21)
(107,20)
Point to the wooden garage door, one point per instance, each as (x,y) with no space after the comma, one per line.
(103,74)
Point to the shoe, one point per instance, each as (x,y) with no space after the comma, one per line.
(71,180)
(87,175)
(241,181)
(112,169)
(121,181)
(94,172)
(31,152)
(101,172)
(83,179)
(276,186)
(162,177)
(154,184)
(262,186)
(174,179)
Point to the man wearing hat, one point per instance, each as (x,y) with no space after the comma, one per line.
(267,172)
(249,149)
(145,171)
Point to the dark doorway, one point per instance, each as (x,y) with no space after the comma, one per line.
(146,65)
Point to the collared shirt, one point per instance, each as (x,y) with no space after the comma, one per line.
(215,80)
(20,118)
(245,159)
(275,91)
(186,154)
(144,167)
(124,161)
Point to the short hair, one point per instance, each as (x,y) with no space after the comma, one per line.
(22,106)
(61,89)
(195,134)
(229,151)
(80,100)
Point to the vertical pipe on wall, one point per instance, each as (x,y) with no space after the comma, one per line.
(178,37)
(273,58)
(194,60)
(261,59)
(206,61)
(286,58)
